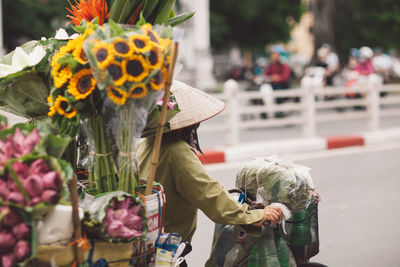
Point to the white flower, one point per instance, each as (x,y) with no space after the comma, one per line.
(62,34)
(21,59)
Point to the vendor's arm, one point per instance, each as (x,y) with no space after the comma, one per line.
(193,182)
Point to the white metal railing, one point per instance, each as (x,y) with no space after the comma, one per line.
(306,106)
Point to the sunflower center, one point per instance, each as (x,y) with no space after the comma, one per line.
(115,71)
(153,57)
(84,84)
(139,43)
(101,54)
(137,90)
(134,67)
(64,105)
(158,78)
(116,93)
(121,47)
(152,37)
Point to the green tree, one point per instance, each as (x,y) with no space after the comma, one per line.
(252,24)
(355,23)
(25,20)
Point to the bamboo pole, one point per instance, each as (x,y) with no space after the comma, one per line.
(73,185)
(161,121)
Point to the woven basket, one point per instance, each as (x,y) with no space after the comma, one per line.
(62,255)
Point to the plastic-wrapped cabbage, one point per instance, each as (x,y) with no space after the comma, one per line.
(273,180)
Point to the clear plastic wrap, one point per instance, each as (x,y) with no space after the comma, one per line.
(273,180)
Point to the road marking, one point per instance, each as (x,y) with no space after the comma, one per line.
(313,155)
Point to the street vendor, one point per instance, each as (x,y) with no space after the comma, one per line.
(186,183)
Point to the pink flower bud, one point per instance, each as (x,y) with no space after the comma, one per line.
(124,204)
(12,186)
(21,169)
(134,222)
(114,228)
(8,260)
(34,201)
(22,250)
(50,196)
(39,167)
(51,180)
(33,185)
(21,231)
(4,191)
(31,140)
(6,151)
(121,215)
(126,233)
(16,197)
(11,217)
(109,217)
(7,239)
(135,209)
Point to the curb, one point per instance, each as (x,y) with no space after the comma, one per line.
(299,145)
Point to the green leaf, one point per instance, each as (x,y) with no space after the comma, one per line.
(122,9)
(149,7)
(115,29)
(24,94)
(142,21)
(179,19)
(163,12)
(55,145)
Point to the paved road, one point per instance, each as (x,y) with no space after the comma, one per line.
(359,213)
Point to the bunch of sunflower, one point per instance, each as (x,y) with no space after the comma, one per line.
(73,84)
(109,69)
(131,65)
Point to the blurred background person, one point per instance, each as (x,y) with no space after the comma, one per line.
(364,66)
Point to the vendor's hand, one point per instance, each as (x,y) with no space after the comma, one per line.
(275,77)
(271,214)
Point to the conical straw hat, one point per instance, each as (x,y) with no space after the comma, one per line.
(195,106)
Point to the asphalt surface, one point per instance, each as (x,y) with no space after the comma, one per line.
(359,213)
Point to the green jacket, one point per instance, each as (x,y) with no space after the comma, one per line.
(188,187)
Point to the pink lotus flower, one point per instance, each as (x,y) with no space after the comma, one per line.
(39,167)
(134,222)
(3,189)
(34,201)
(121,215)
(124,204)
(11,217)
(22,250)
(109,217)
(50,196)
(21,231)
(114,228)
(33,185)
(7,240)
(8,260)
(6,149)
(24,145)
(135,209)
(21,169)
(11,185)
(51,180)
(16,197)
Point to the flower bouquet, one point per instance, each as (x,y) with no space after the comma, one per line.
(18,239)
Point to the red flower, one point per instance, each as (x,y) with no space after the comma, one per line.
(88,10)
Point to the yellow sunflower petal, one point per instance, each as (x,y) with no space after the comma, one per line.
(140,43)
(155,57)
(116,95)
(117,73)
(148,31)
(82,84)
(62,106)
(121,47)
(61,77)
(157,82)
(138,91)
(103,53)
(136,68)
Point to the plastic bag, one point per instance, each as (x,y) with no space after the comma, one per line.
(275,180)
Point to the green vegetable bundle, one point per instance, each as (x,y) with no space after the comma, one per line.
(272,180)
